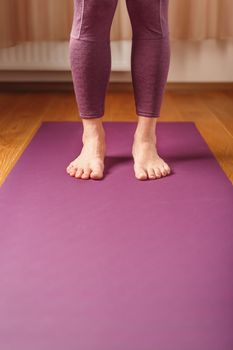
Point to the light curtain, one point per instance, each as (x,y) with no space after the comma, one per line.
(36,20)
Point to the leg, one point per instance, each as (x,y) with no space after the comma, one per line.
(150,60)
(90,60)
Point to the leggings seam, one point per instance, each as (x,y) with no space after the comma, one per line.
(160,15)
(81,22)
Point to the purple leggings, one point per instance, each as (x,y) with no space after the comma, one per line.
(90,54)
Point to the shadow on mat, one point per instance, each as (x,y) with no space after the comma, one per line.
(114,161)
(187,157)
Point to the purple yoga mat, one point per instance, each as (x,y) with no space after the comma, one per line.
(116,264)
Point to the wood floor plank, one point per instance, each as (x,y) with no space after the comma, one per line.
(62,106)
(119,106)
(17,127)
(192,108)
(221,104)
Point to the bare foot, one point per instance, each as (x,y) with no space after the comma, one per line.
(90,162)
(147,163)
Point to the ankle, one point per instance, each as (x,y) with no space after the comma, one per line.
(145,131)
(144,137)
(93,129)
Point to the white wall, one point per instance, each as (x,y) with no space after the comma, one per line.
(204,61)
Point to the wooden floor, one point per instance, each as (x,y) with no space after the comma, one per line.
(21,114)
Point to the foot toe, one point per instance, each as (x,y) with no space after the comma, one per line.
(140,173)
(70,167)
(86,173)
(78,173)
(73,171)
(97,172)
(157,172)
(95,175)
(151,173)
(163,171)
(167,168)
